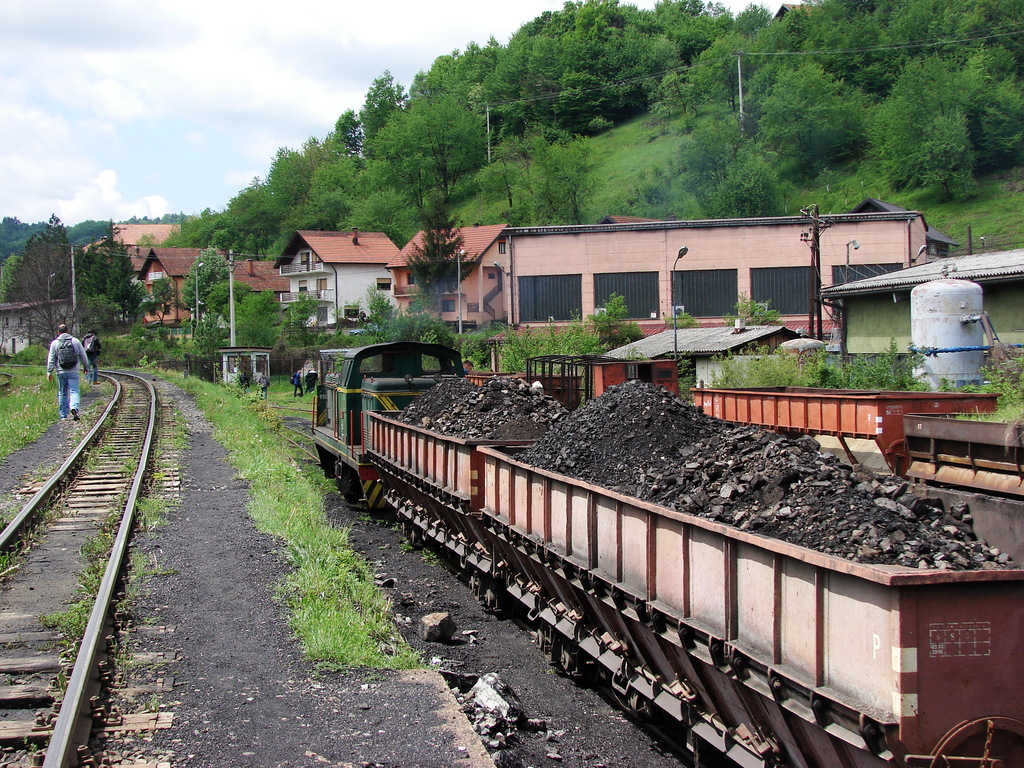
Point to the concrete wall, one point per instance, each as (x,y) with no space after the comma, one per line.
(726,244)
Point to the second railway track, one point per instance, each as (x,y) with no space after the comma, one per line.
(86,506)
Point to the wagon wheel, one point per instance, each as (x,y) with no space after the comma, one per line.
(347,481)
(994,742)
(896,457)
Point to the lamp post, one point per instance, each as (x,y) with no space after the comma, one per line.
(856,245)
(672,294)
(196,313)
(458,287)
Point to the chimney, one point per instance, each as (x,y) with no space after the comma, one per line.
(249,265)
(355,236)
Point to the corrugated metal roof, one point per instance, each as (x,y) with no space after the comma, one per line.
(980,267)
(698,341)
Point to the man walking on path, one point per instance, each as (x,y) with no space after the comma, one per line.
(91,344)
(67,357)
(297,384)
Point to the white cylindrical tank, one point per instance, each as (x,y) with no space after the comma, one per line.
(944,323)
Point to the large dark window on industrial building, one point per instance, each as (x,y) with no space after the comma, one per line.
(555,297)
(847,274)
(705,292)
(787,289)
(639,289)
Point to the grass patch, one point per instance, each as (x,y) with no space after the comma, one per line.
(28,406)
(341,618)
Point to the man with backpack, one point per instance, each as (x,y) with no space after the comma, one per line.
(91,344)
(67,358)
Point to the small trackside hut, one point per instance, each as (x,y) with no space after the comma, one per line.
(354,382)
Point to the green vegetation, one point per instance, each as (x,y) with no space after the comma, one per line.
(1004,375)
(892,371)
(28,406)
(340,616)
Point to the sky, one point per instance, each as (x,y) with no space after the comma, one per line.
(117,108)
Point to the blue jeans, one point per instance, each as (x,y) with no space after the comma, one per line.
(94,373)
(67,392)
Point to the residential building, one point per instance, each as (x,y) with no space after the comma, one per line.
(481,297)
(172,264)
(877,309)
(30,322)
(262,276)
(336,268)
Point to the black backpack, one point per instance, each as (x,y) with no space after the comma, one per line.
(66,355)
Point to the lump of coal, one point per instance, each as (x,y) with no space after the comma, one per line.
(643,441)
(501,409)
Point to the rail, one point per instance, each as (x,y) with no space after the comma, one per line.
(73,724)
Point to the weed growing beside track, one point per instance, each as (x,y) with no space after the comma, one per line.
(340,616)
(28,407)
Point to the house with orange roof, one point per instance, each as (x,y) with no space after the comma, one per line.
(337,269)
(481,297)
(172,264)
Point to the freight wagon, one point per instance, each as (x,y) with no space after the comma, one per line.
(750,650)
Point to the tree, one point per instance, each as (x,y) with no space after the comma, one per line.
(612,327)
(561,180)
(161,299)
(106,286)
(257,320)
(919,134)
(301,318)
(753,312)
(812,119)
(430,148)
(383,100)
(41,278)
(436,260)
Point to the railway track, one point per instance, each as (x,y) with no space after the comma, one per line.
(53,669)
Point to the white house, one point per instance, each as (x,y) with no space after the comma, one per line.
(337,268)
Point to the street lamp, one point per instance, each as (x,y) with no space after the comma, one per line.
(672,294)
(196,313)
(856,246)
(458,286)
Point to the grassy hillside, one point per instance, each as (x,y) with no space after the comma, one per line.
(626,154)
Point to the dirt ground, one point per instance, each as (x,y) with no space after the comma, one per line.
(211,649)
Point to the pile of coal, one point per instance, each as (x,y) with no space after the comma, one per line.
(643,441)
(501,409)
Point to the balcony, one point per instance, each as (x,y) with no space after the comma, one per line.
(295,269)
(325,295)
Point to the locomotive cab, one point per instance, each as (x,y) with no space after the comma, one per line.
(377,377)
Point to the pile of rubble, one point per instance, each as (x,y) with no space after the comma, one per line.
(502,408)
(642,441)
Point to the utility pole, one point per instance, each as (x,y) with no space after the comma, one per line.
(814,317)
(739,82)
